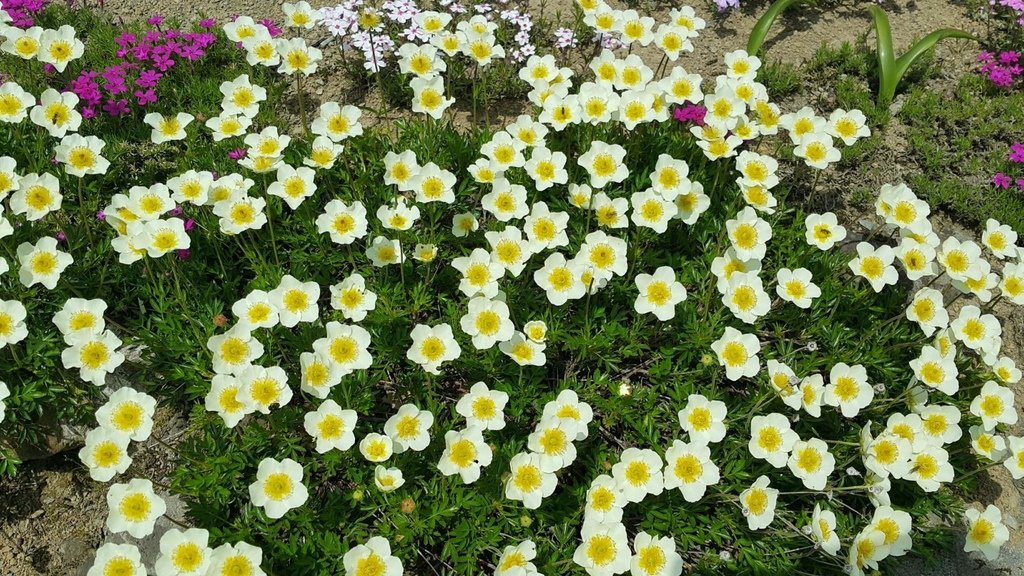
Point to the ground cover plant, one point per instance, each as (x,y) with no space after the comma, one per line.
(602,337)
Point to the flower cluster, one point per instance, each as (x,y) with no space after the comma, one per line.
(1005,181)
(1016,7)
(144,60)
(1001,69)
(55,49)
(20,12)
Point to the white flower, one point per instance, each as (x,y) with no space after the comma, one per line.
(387,479)
(185,553)
(428,96)
(823,530)
(749,234)
(604,550)
(293,185)
(465,453)
(604,501)
(129,413)
(240,212)
(120,559)
(738,353)
(351,297)
(652,210)
(930,467)
(605,163)
(811,462)
(318,374)
(432,184)
(552,441)
(1014,463)
(343,222)
(160,236)
(689,468)
(703,420)
(483,407)
(191,186)
(848,126)
(432,346)
(226,125)
(331,427)
(268,143)
(610,212)
(374,557)
(801,123)
(79,315)
(37,195)
(823,230)
(817,151)
(105,453)
(1000,239)
(994,405)
(383,252)
(515,560)
(547,168)
(896,525)
(295,301)
(604,254)
(409,429)
(42,263)
(888,455)
(655,556)
(506,201)
(296,56)
(560,279)
(985,531)
(986,443)
(234,350)
(960,259)
(812,393)
(977,331)
(241,556)
(940,424)
(546,229)
(255,311)
(536,330)
(758,503)
(1006,370)
(168,128)
(745,297)
(376,447)
(848,389)
(301,14)
(875,265)
(568,405)
(796,286)
(81,155)
(928,311)
(867,549)
(523,350)
(56,112)
(95,355)
(346,346)
(14,101)
(263,387)
(487,322)
(771,439)
(463,224)
(59,47)
(528,482)
(935,371)
(278,487)
(133,508)
(639,473)
(223,399)
(659,293)
(480,273)
(509,249)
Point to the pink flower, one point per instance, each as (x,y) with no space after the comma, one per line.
(1016,153)
(1000,180)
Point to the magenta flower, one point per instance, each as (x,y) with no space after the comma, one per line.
(147,97)
(208,23)
(236,154)
(155,20)
(1016,153)
(101,215)
(189,225)
(1000,180)
(184,254)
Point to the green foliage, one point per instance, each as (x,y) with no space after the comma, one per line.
(764,23)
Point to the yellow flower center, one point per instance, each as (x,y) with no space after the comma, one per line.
(106,454)
(187,557)
(688,468)
(463,453)
(135,507)
(637,473)
(278,486)
(651,559)
(432,348)
(601,549)
(527,478)
(734,354)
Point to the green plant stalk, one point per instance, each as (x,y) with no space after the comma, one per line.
(760,30)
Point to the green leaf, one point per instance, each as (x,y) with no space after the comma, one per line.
(760,30)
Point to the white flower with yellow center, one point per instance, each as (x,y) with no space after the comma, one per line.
(133,508)
(318,374)
(240,212)
(387,479)
(428,96)
(796,286)
(848,126)
(105,453)
(351,297)
(269,142)
(930,468)
(420,60)
(907,211)
(738,353)
(703,419)
(670,177)
(376,447)
(673,40)
(191,186)
(545,229)
(223,398)
(771,439)
(223,187)
(1014,463)
(234,350)
(509,249)
(159,237)
(604,163)
(242,97)
(506,201)
(487,322)
(597,103)
(875,265)
(263,387)
(823,530)
(928,311)
(278,487)
(568,405)
(300,15)
(483,49)
(528,482)
(323,153)
(604,550)
(785,382)
(1012,283)
(659,293)
(227,125)
(917,258)
(184,553)
(1006,370)
(465,453)
(604,255)
(331,427)
(866,551)
(681,87)
(724,109)
(539,68)
(372,559)
(117,560)
(655,556)
(823,230)
(409,429)
(399,169)
(652,210)
(980,284)
(432,346)
(639,473)
(1000,239)
(432,22)
(604,501)
(480,273)
(817,151)
(757,170)
(987,443)
(811,462)
(148,203)
(23,43)
(255,311)
(546,168)
(81,155)
(95,355)
(740,65)
(749,234)
(80,315)
(56,113)
(559,110)
(802,123)
(888,455)
(297,56)
(523,350)
(239,558)
(14,103)
(848,389)
(977,331)
(59,47)
(959,259)
(689,468)
(168,128)
(636,107)
(516,560)
(906,426)
(552,440)
(483,407)
(464,224)
(384,252)
(526,129)
(936,371)
(940,424)
(433,184)
(295,301)
(504,151)
(609,212)
(398,217)
(129,413)
(691,204)
(293,185)
(758,503)
(343,222)
(986,532)
(811,393)
(9,178)
(485,171)
(42,263)
(994,405)
(536,330)
(745,297)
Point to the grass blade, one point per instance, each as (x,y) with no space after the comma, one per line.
(760,30)
(886,58)
(925,44)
